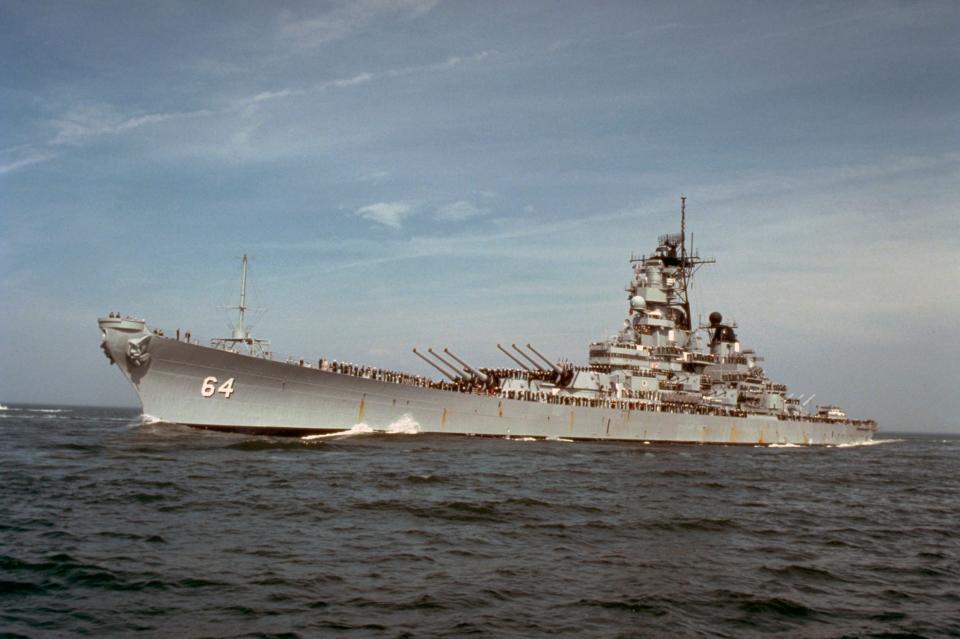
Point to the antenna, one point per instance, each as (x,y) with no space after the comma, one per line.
(689,263)
(241,330)
(683,226)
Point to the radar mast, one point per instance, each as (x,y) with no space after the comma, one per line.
(688,266)
(240,333)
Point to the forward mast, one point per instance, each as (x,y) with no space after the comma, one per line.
(240,335)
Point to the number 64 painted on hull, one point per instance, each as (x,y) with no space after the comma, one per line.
(209,387)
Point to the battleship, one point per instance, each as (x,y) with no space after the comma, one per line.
(660,378)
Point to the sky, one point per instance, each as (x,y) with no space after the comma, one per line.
(432,173)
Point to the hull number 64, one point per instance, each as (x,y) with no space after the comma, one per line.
(209,387)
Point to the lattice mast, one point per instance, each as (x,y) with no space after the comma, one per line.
(688,266)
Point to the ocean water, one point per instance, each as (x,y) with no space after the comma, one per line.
(112,528)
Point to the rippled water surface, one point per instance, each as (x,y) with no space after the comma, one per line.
(110,528)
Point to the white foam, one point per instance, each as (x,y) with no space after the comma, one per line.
(869,442)
(148,420)
(2,407)
(785,446)
(47,410)
(356,429)
(523,439)
(406,425)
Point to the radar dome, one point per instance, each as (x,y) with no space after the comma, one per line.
(637,303)
(715,318)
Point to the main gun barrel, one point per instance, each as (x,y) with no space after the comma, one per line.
(483,377)
(445,373)
(529,359)
(556,369)
(517,361)
(463,375)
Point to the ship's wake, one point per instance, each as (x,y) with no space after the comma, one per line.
(869,442)
(35,410)
(405,425)
(356,429)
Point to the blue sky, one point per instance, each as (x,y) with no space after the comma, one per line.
(419,172)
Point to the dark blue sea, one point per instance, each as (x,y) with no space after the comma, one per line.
(112,528)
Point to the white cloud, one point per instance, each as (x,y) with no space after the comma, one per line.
(457,211)
(87,121)
(35,157)
(97,119)
(83,123)
(272,95)
(449,63)
(374,176)
(346,19)
(360,78)
(387,213)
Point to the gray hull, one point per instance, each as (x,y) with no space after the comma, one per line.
(273,397)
